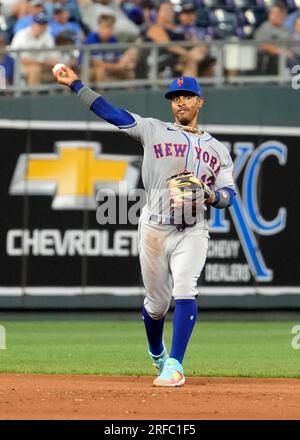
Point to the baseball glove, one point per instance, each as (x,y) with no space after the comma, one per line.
(185,186)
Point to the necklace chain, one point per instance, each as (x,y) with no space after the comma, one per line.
(194,130)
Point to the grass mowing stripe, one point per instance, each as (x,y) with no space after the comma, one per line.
(244,349)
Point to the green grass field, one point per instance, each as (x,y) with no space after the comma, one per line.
(244,349)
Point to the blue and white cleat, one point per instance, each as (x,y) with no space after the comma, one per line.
(159,360)
(171,376)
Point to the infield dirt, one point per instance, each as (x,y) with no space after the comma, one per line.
(131,398)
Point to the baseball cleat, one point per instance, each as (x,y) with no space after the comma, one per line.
(171,376)
(159,360)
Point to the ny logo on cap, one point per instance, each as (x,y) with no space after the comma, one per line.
(180,82)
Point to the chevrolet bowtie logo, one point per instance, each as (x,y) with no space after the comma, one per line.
(73,174)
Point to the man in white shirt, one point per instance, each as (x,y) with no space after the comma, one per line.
(35,66)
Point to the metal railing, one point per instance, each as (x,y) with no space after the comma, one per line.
(228,64)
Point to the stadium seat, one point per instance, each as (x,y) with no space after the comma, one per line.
(234,5)
(251,17)
(265,4)
(292,5)
(213,3)
(220,16)
(134,12)
(221,31)
(203,17)
(245,32)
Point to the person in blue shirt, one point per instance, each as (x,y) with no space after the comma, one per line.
(60,22)
(110,64)
(70,5)
(6,61)
(34,7)
(290,20)
(293,54)
(187,18)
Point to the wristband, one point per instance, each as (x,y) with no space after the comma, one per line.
(76,86)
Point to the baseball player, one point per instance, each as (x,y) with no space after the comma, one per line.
(182,167)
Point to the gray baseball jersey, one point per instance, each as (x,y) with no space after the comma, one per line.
(168,150)
(172,259)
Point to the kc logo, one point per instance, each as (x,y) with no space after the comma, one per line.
(73,174)
(245,211)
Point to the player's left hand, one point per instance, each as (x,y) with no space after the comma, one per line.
(184,183)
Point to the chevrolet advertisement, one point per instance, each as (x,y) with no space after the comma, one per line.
(52,245)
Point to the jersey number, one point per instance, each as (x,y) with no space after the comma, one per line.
(208,181)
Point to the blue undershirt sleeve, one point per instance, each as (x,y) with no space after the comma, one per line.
(101,107)
(114,115)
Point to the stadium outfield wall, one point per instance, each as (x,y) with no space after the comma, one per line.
(54,153)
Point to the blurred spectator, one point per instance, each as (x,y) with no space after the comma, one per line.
(6,60)
(271,30)
(3,22)
(6,23)
(175,60)
(70,5)
(9,7)
(133,10)
(61,22)
(34,7)
(149,16)
(149,12)
(293,55)
(15,8)
(187,18)
(70,58)
(291,19)
(91,10)
(296,33)
(35,65)
(110,64)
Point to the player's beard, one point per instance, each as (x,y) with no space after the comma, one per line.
(186,118)
(183,119)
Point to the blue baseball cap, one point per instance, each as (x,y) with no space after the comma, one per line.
(184,84)
(40,18)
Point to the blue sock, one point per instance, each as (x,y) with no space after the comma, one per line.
(154,331)
(184,319)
